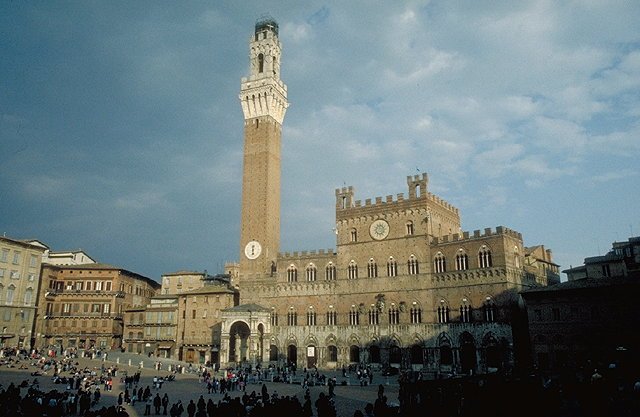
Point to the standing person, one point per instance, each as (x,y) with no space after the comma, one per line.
(120,398)
(165,403)
(157,402)
(147,406)
(191,408)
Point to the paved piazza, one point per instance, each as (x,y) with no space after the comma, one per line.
(187,387)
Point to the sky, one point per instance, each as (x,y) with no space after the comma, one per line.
(121,129)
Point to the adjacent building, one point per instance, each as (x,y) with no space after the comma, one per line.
(184,321)
(82,306)
(19,280)
(587,319)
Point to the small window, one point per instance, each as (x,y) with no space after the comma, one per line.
(354,235)
(409,226)
(260,63)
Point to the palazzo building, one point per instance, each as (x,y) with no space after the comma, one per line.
(82,305)
(404,287)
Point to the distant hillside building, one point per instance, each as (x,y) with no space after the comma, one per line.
(19,280)
(589,317)
(405,287)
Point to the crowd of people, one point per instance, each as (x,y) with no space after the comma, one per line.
(81,390)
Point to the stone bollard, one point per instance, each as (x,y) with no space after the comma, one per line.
(141,364)
(118,361)
(129,362)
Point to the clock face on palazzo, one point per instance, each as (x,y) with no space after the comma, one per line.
(379,229)
(253,249)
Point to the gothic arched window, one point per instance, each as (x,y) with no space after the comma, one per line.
(394,314)
(292,317)
(353,270)
(484,257)
(462,261)
(439,263)
(292,273)
(489,309)
(372,268)
(330,272)
(465,311)
(416,313)
(392,267)
(443,312)
(374,315)
(311,272)
(354,316)
(413,266)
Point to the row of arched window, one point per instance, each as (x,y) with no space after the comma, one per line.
(372,316)
(484,260)
(330,272)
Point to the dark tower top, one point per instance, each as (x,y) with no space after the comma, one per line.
(266,23)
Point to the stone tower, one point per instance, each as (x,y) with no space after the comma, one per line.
(264,103)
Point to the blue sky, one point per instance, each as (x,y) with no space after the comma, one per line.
(121,129)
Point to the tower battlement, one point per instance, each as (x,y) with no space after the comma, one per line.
(346,205)
(320,253)
(477,234)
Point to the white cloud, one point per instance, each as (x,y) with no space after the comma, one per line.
(614,176)
(498,161)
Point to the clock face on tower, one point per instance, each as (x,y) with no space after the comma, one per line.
(379,229)
(253,249)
